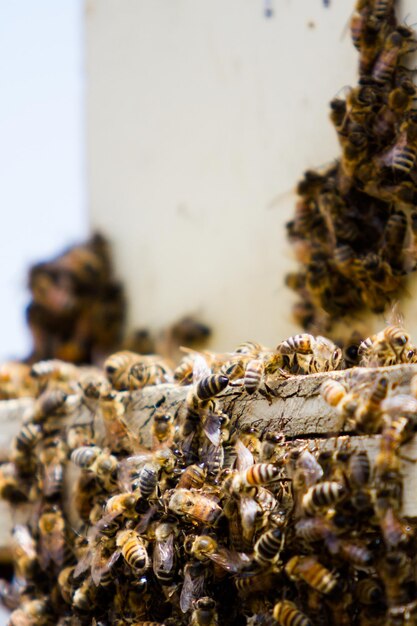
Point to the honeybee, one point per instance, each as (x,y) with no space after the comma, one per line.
(397,44)
(163,429)
(66,583)
(267,549)
(112,410)
(133,549)
(52,457)
(194,505)
(117,368)
(204,548)
(323,494)
(254,372)
(163,558)
(11,489)
(312,572)
(33,612)
(15,381)
(53,370)
(249,583)
(369,591)
(287,614)
(150,370)
(396,533)
(52,539)
(193,586)
(24,552)
(204,613)
(192,477)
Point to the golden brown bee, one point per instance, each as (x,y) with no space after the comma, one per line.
(298,344)
(163,429)
(52,457)
(268,547)
(66,583)
(117,368)
(204,613)
(287,614)
(253,375)
(322,495)
(195,505)
(133,550)
(312,572)
(24,552)
(150,370)
(11,488)
(52,538)
(123,504)
(398,43)
(183,373)
(84,596)
(112,411)
(205,548)
(192,477)
(250,583)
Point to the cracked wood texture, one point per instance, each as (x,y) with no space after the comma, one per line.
(293,405)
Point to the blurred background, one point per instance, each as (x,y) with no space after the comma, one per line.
(178,130)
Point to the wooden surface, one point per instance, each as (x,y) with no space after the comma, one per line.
(294,407)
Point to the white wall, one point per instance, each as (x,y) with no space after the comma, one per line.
(200,114)
(42,195)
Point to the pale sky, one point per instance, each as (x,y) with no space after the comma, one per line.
(42,169)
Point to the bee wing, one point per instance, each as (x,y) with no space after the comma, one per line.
(230,561)
(200,368)
(145,520)
(248,509)
(83,564)
(211,428)
(163,555)
(53,478)
(128,466)
(100,565)
(244,456)
(309,467)
(192,588)
(51,549)
(396,317)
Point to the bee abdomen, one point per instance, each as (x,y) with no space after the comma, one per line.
(287,614)
(323,494)
(85,456)
(211,386)
(253,376)
(147,480)
(268,546)
(260,474)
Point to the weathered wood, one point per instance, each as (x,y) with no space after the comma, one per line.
(294,406)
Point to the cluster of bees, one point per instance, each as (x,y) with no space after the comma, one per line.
(355,225)
(215,523)
(77,308)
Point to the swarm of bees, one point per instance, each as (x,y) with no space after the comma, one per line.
(215,524)
(355,225)
(77,309)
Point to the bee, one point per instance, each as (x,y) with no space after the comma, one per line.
(298,344)
(163,558)
(79,435)
(312,572)
(52,456)
(121,505)
(368,416)
(267,549)
(52,539)
(249,583)
(193,586)
(84,596)
(272,450)
(398,43)
(133,549)
(53,370)
(151,370)
(33,612)
(27,438)
(11,488)
(287,614)
(192,477)
(326,356)
(255,475)
(395,532)
(322,495)
(117,368)
(250,348)
(401,158)
(253,376)
(163,429)
(210,386)
(24,552)
(359,469)
(183,373)
(403,98)
(66,583)
(112,411)
(369,591)
(205,548)
(15,381)
(204,613)
(194,505)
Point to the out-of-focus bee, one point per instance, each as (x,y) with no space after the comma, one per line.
(52,403)
(368,416)
(268,548)
(33,612)
(24,552)
(194,505)
(52,539)
(204,613)
(150,370)
(117,368)
(66,583)
(192,477)
(397,44)
(133,549)
(396,533)
(52,456)
(79,435)
(53,370)
(287,614)
(11,488)
(250,348)
(84,596)
(163,429)
(27,437)
(15,381)
(326,356)
(99,462)
(272,449)
(322,495)
(112,411)
(312,572)
(369,591)
(249,583)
